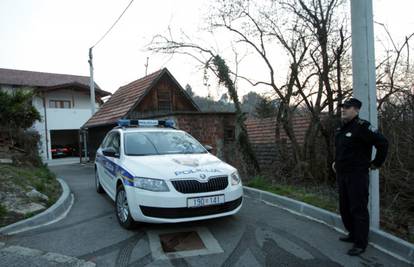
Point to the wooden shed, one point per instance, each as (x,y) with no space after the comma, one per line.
(159,96)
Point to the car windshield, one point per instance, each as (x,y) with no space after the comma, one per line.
(161,143)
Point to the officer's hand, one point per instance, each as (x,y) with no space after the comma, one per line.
(333,167)
(373,167)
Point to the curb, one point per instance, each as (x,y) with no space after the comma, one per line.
(56,212)
(381,240)
(35,256)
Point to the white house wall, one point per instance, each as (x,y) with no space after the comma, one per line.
(57,118)
(79,100)
(66,119)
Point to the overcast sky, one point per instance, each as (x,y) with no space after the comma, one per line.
(55,35)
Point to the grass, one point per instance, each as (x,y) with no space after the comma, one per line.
(41,178)
(18,180)
(3,211)
(320,197)
(29,214)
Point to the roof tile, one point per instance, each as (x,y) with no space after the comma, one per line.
(43,79)
(123,100)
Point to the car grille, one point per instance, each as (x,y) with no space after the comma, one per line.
(194,186)
(176,213)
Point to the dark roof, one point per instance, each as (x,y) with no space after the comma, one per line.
(263,130)
(127,97)
(45,80)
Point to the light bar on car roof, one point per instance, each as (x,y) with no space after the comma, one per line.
(169,123)
(146,123)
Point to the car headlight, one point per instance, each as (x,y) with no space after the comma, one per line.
(151,184)
(235,178)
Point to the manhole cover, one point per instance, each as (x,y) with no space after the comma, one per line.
(181,241)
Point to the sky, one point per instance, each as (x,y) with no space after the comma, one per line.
(55,35)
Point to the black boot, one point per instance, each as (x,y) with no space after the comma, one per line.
(347,239)
(356,251)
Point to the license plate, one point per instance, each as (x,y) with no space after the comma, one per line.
(205,201)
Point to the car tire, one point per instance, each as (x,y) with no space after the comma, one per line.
(98,185)
(122,211)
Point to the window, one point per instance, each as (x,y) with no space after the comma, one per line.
(160,143)
(59,104)
(114,142)
(105,142)
(164,100)
(229,133)
(138,144)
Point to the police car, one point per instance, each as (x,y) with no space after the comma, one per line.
(158,174)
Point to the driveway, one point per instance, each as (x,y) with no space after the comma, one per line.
(260,235)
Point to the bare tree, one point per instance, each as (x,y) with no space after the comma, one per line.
(394,73)
(217,65)
(314,44)
(395,83)
(253,26)
(322,22)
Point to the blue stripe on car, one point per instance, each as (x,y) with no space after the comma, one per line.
(115,170)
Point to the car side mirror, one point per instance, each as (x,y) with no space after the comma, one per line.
(110,152)
(208,148)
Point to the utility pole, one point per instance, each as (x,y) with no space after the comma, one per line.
(146,67)
(364,87)
(92,93)
(91,82)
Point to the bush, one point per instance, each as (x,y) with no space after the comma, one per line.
(28,142)
(16,115)
(397,174)
(17,111)
(3,211)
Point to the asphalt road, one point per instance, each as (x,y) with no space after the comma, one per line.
(260,235)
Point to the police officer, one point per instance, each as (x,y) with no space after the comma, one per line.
(353,143)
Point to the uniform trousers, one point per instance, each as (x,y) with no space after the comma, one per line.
(353,205)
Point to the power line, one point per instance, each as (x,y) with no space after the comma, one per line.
(90,61)
(113,25)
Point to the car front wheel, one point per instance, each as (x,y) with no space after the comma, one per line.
(98,185)
(122,209)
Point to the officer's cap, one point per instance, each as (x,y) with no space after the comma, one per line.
(352,102)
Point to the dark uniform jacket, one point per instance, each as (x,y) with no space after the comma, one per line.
(353,142)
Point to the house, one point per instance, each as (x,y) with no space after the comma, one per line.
(153,94)
(159,96)
(62,100)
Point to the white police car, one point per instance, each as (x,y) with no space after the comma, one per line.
(158,174)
